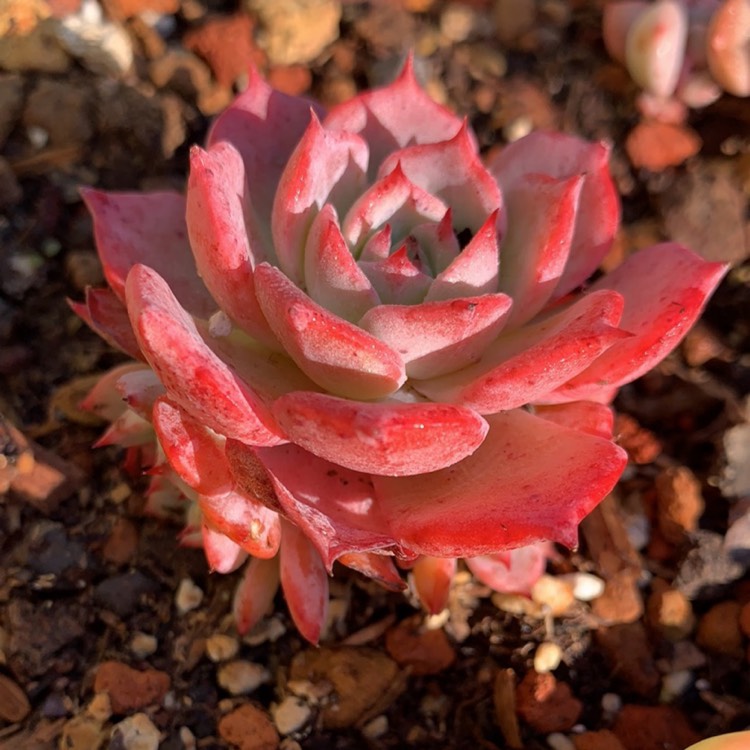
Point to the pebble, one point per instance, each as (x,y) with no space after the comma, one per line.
(143,645)
(241,677)
(601,740)
(611,704)
(675,684)
(100,707)
(221,647)
(14,705)
(122,542)
(188,596)
(547,657)
(129,688)
(82,732)
(621,601)
(545,704)
(137,732)
(679,503)
(719,629)
(291,714)
(586,586)
(658,145)
(38,51)
(187,738)
(249,728)
(425,651)
(457,22)
(376,728)
(515,604)
(559,741)
(554,593)
(669,612)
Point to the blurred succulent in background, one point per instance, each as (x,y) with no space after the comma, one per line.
(358,343)
(682,53)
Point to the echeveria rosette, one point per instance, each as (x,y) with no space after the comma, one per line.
(361,343)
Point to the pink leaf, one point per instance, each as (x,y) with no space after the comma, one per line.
(394,116)
(337,355)
(222,554)
(586,416)
(530,480)
(514,571)
(195,378)
(435,338)
(326,167)
(105,314)
(147,228)
(523,365)
(305,583)
(226,241)
(380,568)
(127,430)
(397,279)
(617,18)
(439,245)
(561,156)
(388,437)
(264,126)
(104,399)
(432,577)
(665,288)
(253,598)
(140,389)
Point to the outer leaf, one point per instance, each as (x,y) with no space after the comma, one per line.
(586,416)
(222,554)
(530,480)
(381,438)
(432,578)
(103,399)
(337,355)
(147,228)
(435,338)
(511,572)
(380,568)
(139,389)
(254,596)
(195,378)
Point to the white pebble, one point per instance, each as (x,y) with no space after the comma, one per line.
(221,647)
(611,704)
(558,741)
(219,325)
(241,677)
(290,715)
(143,644)
(457,22)
(675,684)
(137,732)
(547,657)
(187,738)
(188,596)
(586,587)
(376,728)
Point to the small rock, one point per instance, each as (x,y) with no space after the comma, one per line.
(82,733)
(586,587)
(547,657)
(559,741)
(128,688)
(628,652)
(545,704)
(14,705)
(296,31)
(376,728)
(425,651)
(294,80)
(553,593)
(62,109)
(515,604)
(291,714)
(221,647)
(143,645)
(122,542)
(602,740)
(675,684)
(249,728)
(137,732)
(241,677)
(458,22)
(188,596)
(653,728)
(100,707)
(679,503)
(38,51)
(621,601)
(719,629)
(657,145)
(642,445)
(669,612)
(513,18)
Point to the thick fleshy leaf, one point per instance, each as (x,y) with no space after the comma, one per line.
(665,288)
(530,480)
(378,247)
(253,598)
(104,399)
(225,236)
(305,583)
(586,416)
(332,277)
(140,388)
(511,572)
(473,271)
(336,354)
(222,554)
(394,116)
(106,315)
(380,568)
(397,279)
(523,365)
(728,47)
(617,18)
(265,126)
(561,156)
(335,507)
(439,246)
(432,578)
(195,378)
(393,200)
(536,245)
(453,171)
(147,228)
(389,437)
(435,338)
(127,430)
(326,167)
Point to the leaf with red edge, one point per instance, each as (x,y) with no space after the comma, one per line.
(225,236)
(432,578)
(336,354)
(305,583)
(222,554)
(560,155)
(265,126)
(439,246)
(103,399)
(140,389)
(377,567)
(105,314)
(326,167)
(148,228)
(334,506)
(586,416)
(388,437)
(535,248)
(126,431)
(473,271)
(254,596)
(514,571)
(394,116)
(195,378)
(435,338)
(665,288)
(332,277)
(397,279)
(525,364)
(530,480)
(453,171)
